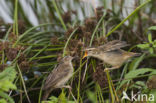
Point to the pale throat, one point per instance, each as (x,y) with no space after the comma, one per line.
(96,56)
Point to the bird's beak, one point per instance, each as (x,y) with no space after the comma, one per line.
(85,55)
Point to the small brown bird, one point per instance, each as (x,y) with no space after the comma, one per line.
(59,76)
(111,53)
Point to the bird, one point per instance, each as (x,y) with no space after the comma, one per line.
(59,76)
(111,53)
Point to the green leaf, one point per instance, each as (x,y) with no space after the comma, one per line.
(151,50)
(91,96)
(62,97)
(71,101)
(5,85)
(3,101)
(153,72)
(150,38)
(48,102)
(4,95)
(8,74)
(154,43)
(139,84)
(6,79)
(143,46)
(53,98)
(134,73)
(152,28)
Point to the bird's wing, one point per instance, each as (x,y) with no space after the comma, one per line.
(56,75)
(113,45)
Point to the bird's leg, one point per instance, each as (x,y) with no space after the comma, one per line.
(67,86)
(70,90)
(115,67)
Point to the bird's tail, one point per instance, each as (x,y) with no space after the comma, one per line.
(46,94)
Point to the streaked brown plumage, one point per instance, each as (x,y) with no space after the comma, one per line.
(59,76)
(111,53)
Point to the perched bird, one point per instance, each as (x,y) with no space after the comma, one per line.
(111,53)
(59,76)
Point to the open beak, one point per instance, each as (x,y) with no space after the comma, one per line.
(85,55)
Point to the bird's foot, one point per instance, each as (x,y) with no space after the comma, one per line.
(108,69)
(67,86)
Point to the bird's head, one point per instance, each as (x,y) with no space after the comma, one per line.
(90,52)
(67,59)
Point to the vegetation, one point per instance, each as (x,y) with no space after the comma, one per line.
(28,53)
